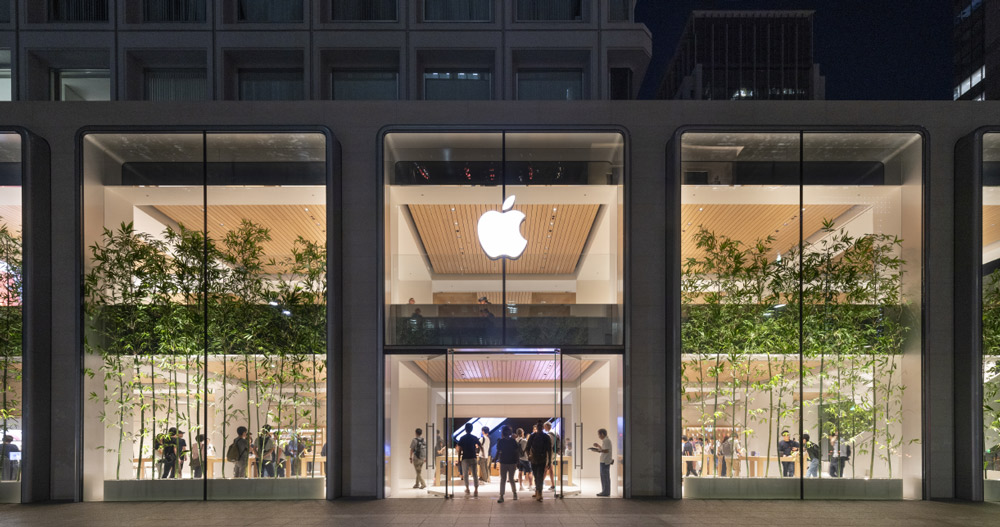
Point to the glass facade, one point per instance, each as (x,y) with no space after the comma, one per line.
(205,315)
(11,317)
(801,287)
(991,315)
(442,287)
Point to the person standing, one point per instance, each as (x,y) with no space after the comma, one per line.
(554,437)
(508,453)
(264,448)
(725,455)
(812,449)
(540,455)
(242,444)
(467,450)
(484,456)
(687,450)
(8,466)
(198,456)
(523,466)
(604,447)
(839,454)
(418,457)
(173,451)
(786,448)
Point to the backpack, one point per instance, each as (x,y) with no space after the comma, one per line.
(727,448)
(421,448)
(233,452)
(539,452)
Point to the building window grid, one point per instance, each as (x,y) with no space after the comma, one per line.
(364,10)
(173,10)
(458,11)
(267,11)
(969,83)
(78,10)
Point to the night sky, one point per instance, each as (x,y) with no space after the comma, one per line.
(866,49)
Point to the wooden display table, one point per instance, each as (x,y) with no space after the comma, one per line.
(757,465)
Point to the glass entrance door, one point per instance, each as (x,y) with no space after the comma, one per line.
(591,405)
(418,460)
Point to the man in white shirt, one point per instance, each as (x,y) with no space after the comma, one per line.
(484,456)
(604,447)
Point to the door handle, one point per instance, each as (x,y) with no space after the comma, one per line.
(430,453)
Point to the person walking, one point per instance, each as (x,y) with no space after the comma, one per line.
(467,449)
(523,466)
(554,437)
(540,457)
(604,448)
(508,453)
(484,456)
(812,449)
(418,457)
(241,445)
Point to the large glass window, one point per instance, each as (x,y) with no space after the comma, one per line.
(78,10)
(11,317)
(81,85)
(271,85)
(269,11)
(6,81)
(458,10)
(991,315)
(173,10)
(364,10)
(561,286)
(466,85)
(554,10)
(549,85)
(801,287)
(365,85)
(175,84)
(205,326)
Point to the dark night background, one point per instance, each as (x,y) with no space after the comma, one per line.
(866,49)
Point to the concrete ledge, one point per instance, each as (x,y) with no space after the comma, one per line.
(218,489)
(10,492)
(788,488)
(991,490)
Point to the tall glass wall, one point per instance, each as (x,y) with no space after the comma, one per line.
(444,193)
(801,286)
(991,316)
(205,315)
(11,307)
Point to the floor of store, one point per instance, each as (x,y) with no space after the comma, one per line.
(486,511)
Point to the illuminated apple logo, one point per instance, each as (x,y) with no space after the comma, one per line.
(500,232)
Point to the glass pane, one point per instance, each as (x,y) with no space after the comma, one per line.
(465,85)
(861,292)
(565,289)
(550,85)
(11,307)
(991,315)
(271,85)
(78,10)
(620,11)
(441,287)
(173,10)
(6,84)
(5,11)
(269,11)
(82,85)
(458,10)
(144,315)
(591,407)
(417,455)
(176,84)
(530,10)
(364,10)
(266,225)
(740,331)
(365,85)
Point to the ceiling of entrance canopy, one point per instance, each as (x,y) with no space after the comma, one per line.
(556,234)
(506,370)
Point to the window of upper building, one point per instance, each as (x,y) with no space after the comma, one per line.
(464,85)
(6,84)
(271,85)
(269,11)
(550,85)
(81,85)
(549,10)
(78,10)
(359,85)
(458,10)
(620,84)
(173,10)
(4,11)
(175,84)
(620,11)
(364,10)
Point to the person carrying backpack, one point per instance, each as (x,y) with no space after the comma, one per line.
(239,452)
(418,456)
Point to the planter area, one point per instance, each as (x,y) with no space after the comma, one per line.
(218,489)
(788,488)
(10,492)
(991,490)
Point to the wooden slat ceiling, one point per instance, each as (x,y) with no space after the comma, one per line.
(991,224)
(556,236)
(505,371)
(285,223)
(749,223)
(11,216)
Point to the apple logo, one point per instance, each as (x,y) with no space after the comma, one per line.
(500,232)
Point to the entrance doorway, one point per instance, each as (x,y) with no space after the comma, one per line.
(572,395)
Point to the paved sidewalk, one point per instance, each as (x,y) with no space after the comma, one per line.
(485,512)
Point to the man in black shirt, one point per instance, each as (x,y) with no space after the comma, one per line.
(540,453)
(688,450)
(786,448)
(468,446)
(173,453)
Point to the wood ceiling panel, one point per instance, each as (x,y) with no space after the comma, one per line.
(991,224)
(10,215)
(749,223)
(556,237)
(479,370)
(285,223)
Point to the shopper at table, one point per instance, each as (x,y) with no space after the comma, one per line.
(508,454)
(540,456)
(687,449)
(467,448)
(523,466)
(242,445)
(418,457)
(725,455)
(786,448)
(604,448)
